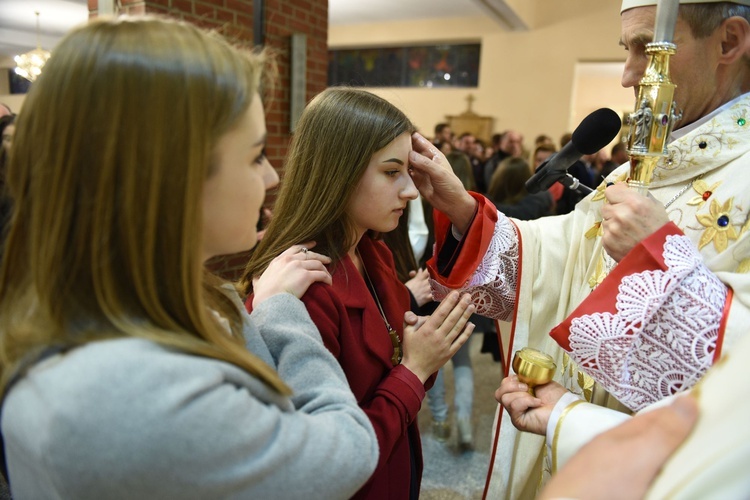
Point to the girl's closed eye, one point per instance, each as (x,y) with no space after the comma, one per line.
(262,156)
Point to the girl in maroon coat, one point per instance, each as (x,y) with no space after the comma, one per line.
(346,180)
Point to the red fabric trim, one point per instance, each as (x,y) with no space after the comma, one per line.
(511,339)
(654,245)
(502,347)
(723,324)
(476,241)
(647,255)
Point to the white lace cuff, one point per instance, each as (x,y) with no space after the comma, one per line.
(662,338)
(493,285)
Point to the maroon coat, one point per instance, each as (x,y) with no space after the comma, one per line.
(353,330)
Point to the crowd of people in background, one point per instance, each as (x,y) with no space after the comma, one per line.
(486,163)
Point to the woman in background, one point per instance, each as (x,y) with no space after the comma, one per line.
(347,180)
(7,129)
(508,191)
(127,370)
(460,163)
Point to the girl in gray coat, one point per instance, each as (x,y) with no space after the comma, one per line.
(127,370)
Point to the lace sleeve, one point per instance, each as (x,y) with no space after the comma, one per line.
(493,285)
(662,337)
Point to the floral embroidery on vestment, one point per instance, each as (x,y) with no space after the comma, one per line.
(704,192)
(719,225)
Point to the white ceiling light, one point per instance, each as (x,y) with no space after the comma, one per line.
(29,65)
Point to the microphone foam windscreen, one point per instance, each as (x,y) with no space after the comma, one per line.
(596,131)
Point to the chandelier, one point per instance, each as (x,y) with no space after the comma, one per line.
(29,65)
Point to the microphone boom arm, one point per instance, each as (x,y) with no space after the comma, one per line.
(545,177)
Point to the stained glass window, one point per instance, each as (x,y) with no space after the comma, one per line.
(420,66)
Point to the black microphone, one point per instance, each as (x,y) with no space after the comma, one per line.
(594,132)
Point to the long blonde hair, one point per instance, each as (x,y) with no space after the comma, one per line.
(337,135)
(109,160)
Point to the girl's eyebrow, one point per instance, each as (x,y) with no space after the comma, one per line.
(394,160)
(261,141)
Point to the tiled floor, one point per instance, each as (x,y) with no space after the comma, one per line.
(450,473)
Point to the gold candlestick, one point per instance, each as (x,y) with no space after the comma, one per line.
(655,110)
(533,367)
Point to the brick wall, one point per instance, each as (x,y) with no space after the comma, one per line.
(234,18)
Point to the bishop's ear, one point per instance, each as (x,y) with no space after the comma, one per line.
(735,41)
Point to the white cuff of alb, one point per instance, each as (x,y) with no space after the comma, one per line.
(567,399)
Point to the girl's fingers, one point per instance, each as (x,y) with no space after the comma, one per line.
(444,309)
(458,316)
(460,324)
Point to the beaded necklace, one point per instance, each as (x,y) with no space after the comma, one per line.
(395,341)
(681,191)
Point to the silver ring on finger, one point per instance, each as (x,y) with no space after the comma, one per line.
(304,250)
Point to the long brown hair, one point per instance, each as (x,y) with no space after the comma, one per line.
(337,135)
(508,183)
(109,161)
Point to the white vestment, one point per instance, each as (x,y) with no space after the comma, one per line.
(712,462)
(558,261)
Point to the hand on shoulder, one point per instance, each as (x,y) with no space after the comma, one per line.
(293,271)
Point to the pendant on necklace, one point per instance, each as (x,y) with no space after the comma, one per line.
(396,342)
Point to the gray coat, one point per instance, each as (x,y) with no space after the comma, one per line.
(128,418)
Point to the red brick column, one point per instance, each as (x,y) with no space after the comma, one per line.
(234,18)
